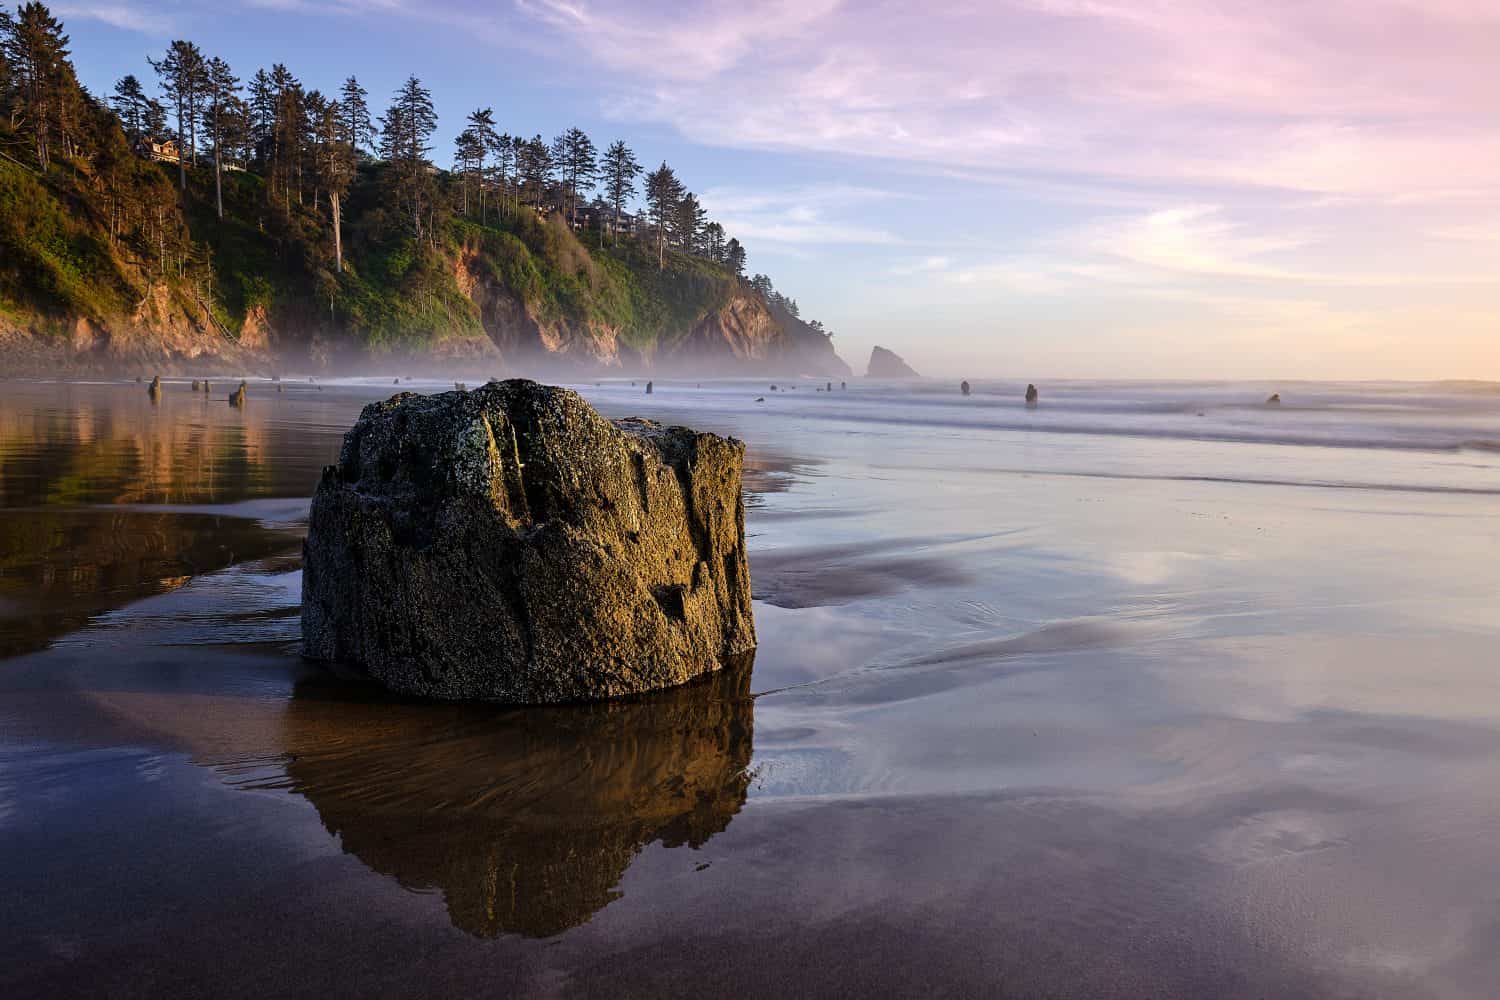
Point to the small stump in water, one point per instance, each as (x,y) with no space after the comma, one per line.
(237,398)
(510,544)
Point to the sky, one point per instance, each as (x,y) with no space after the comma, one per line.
(1027,188)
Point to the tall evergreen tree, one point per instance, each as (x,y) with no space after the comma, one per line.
(358,132)
(221,88)
(688,219)
(620,172)
(468,161)
(663,194)
(406,137)
(154,118)
(182,72)
(577,164)
(482,129)
(713,242)
(262,108)
(130,103)
(42,84)
(734,256)
(534,167)
(284,123)
(289,138)
(503,149)
(334,159)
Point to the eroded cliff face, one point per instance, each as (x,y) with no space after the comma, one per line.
(740,335)
(521,336)
(171,330)
(167,332)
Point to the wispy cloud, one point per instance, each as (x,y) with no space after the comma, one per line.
(147,20)
(1348,95)
(801,216)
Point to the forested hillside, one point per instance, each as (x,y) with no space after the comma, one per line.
(270,225)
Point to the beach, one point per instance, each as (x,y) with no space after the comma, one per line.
(1153,690)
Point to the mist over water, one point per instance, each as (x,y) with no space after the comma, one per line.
(1152,690)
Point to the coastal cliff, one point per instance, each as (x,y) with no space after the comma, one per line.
(520,292)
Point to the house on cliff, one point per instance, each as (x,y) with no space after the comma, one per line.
(161,150)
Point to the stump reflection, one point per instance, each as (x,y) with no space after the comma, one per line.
(525,819)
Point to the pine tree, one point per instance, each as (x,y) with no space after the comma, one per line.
(406,136)
(503,150)
(284,130)
(262,107)
(35,51)
(713,242)
(577,162)
(182,72)
(663,195)
(468,161)
(620,172)
(334,160)
(288,137)
(734,256)
(483,139)
(534,167)
(221,87)
(354,116)
(130,102)
(687,220)
(154,118)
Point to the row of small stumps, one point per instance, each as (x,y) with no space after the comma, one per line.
(236,398)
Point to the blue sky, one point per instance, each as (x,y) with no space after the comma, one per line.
(1026,188)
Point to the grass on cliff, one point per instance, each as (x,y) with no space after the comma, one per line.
(395,292)
(548,267)
(54,259)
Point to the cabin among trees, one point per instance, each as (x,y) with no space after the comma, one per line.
(160,150)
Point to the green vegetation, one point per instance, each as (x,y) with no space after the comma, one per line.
(276,206)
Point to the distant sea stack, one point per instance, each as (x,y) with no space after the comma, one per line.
(509,544)
(963,387)
(888,364)
(1032,396)
(1274,399)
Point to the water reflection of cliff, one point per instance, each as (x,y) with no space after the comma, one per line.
(60,567)
(525,820)
(78,443)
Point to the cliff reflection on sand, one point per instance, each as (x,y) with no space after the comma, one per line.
(61,566)
(525,819)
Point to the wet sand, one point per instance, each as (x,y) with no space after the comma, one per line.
(1033,715)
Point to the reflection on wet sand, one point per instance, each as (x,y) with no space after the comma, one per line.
(107,444)
(525,820)
(58,568)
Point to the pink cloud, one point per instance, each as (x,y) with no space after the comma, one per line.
(1364,96)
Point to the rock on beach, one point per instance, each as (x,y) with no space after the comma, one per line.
(510,544)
